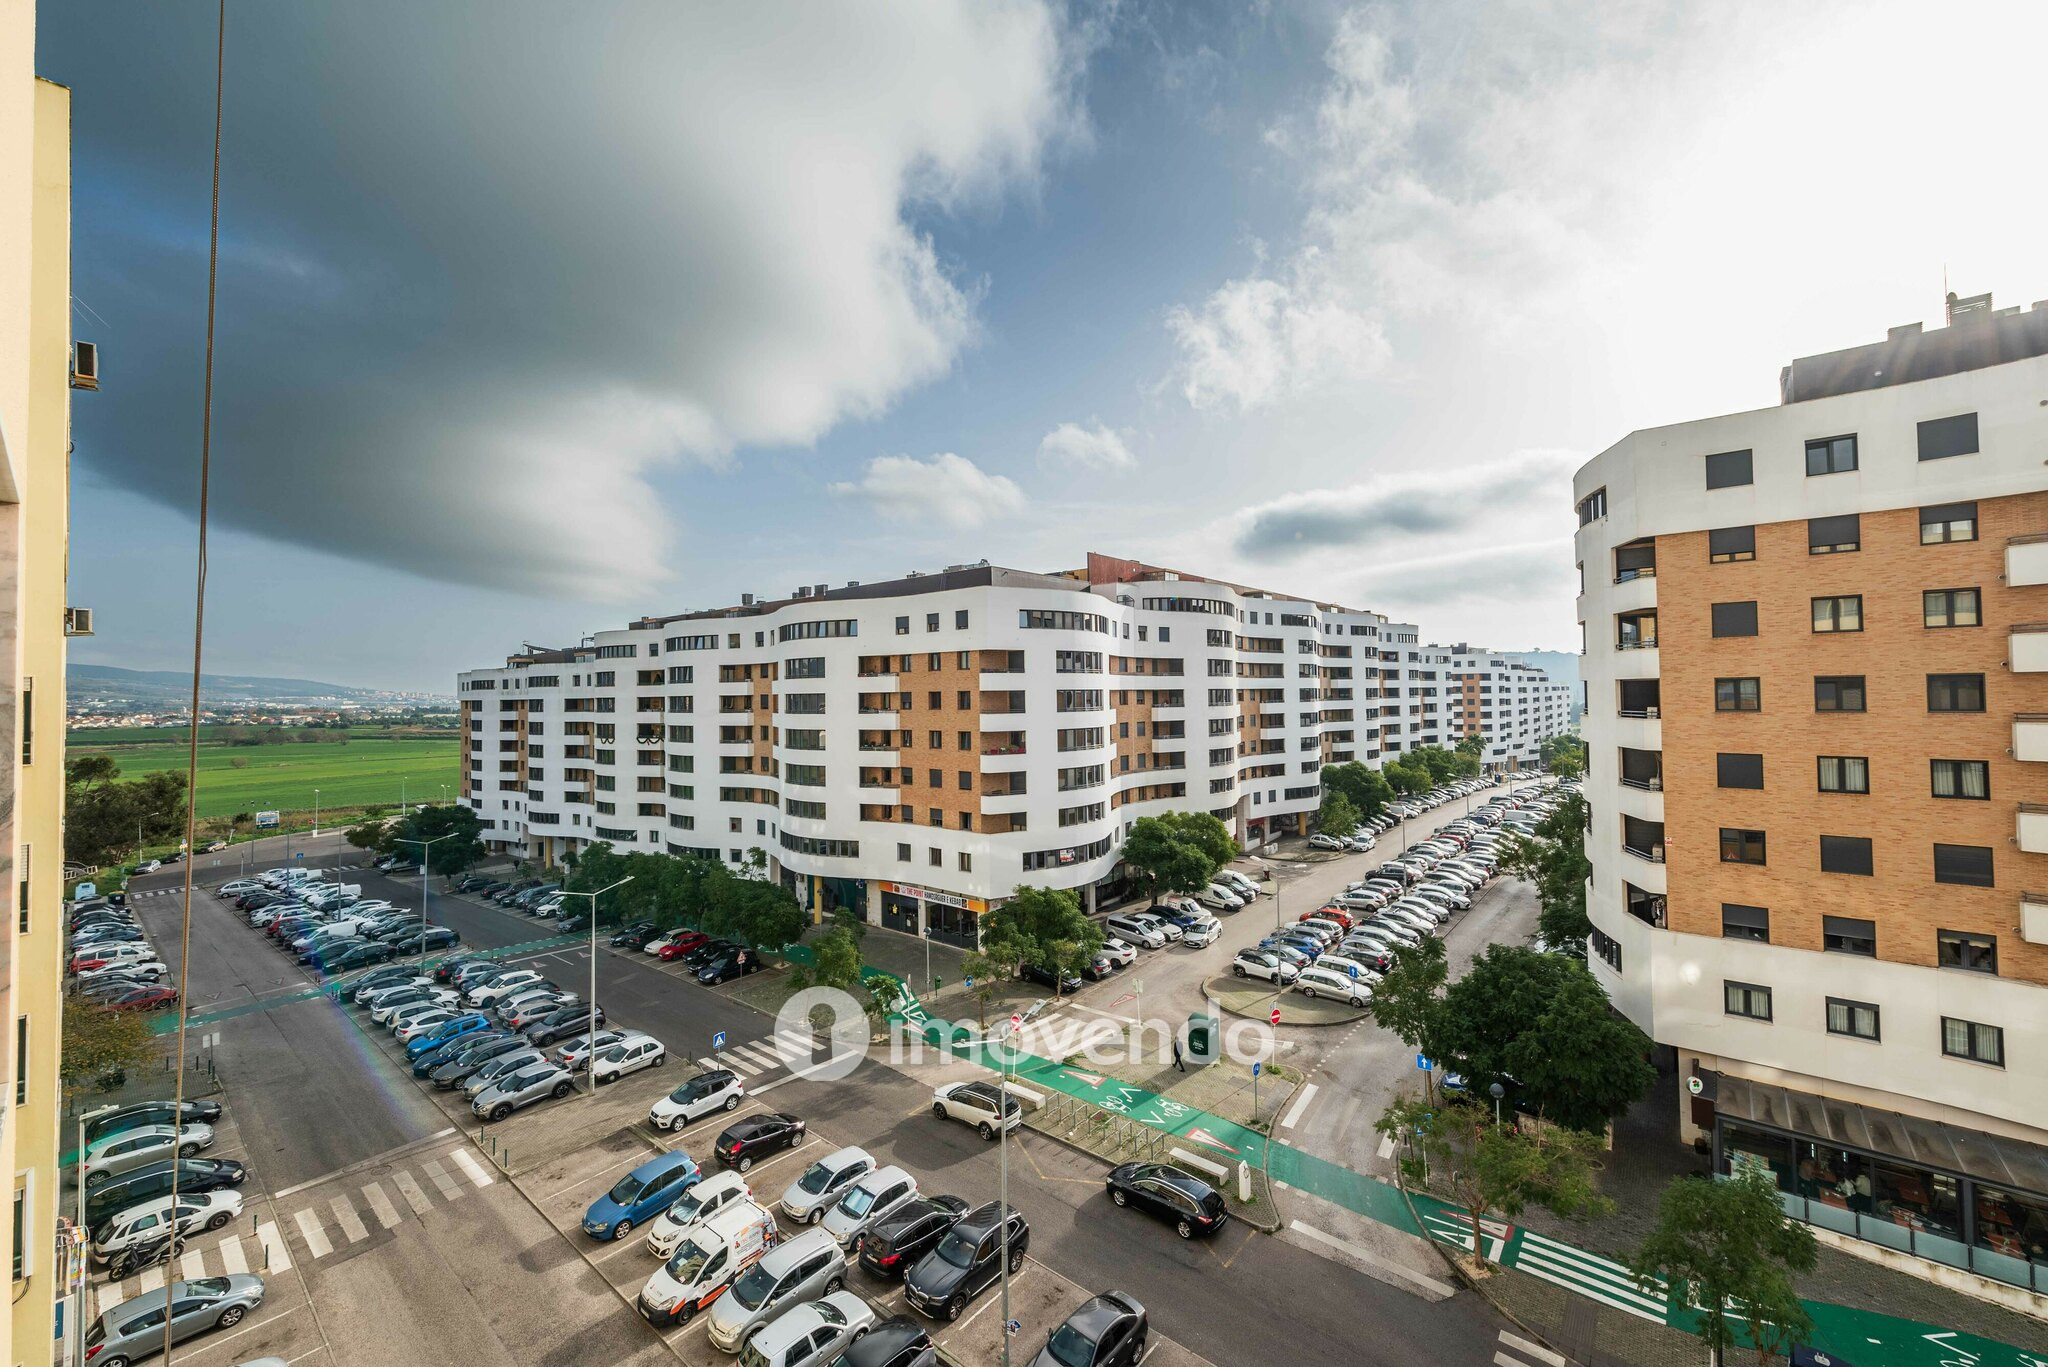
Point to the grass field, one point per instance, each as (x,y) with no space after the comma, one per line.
(361,773)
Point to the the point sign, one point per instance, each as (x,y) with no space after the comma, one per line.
(1276,1015)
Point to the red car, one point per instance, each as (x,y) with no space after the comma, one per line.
(681,945)
(145,999)
(1337,914)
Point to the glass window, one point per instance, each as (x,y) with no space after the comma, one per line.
(1849,935)
(1845,854)
(1731,543)
(1741,847)
(1844,613)
(1739,922)
(1831,455)
(1916,1198)
(1728,469)
(1737,695)
(1941,438)
(1828,535)
(1948,522)
(1838,693)
(1966,778)
(1744,1149)
(1969,865)
(1855,1019)
(1844,774)
(1973,1040)
(1950,608)
(1955,692)
(1739,771)
(1746,999)
(1962,949)
(1735,619)
(2012,1223)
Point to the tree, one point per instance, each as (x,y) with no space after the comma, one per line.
(462,848)
(1408,779)
(1408,1002)
(1554,859)
(369,835)
(1178,851)
(988,968)
(836,963)
(105,815)
(1367,788)
(1044,926)
(1731,1245)
(100,1042)
(763,915)
(1564,756)
(1337,816)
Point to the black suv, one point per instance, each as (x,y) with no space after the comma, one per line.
(966,1262)
(1060,983)
(901,1238)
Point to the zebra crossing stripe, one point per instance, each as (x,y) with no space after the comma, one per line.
(438,1175)
(471,1169)
(409,1188)
(231,1260)
(1528,1349)
(314,1236)
(192,1266)
(108,1297)
(760,1056)
(380,1205)
(152,1279)
(351,1223)
(1588,1274)
(743,1069)
(276,1257)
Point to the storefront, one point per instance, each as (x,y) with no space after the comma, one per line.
(899,912)
(946,916)
(1957,1197)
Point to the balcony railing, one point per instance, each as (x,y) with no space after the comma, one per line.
(1650,644)
(1646,572)
(1654,854)
(1654,784)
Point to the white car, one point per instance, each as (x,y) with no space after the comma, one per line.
(1216,899)
(979,1104)
(570,1055)
(140,1224)
(400,1016)
(149,866)
(824,1182)
(1201,934)
(1239,884)
(1262,963)
(1118,953)
(628,1056)
(813,1333)
(705,1094)
(693,1207)
(240,887)
(414,1026)
(386,1005)
(511,984)
(152,969)
(1160,924)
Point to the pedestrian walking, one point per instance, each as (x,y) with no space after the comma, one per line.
(1178,1065)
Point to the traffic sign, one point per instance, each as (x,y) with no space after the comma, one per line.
(1424,1062)
(1695,1086)
(718,1039)
(1016,1022)
(1276,1015)
(970,981)
(1014,1327)
(1255,1067)
(1352,969)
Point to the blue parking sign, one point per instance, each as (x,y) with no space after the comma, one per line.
(1424,1062)
(1352,969)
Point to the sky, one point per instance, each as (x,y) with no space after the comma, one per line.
(535,318)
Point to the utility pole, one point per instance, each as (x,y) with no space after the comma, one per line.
(590,1055)
(426,879)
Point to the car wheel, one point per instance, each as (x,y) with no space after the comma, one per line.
(95,1179)
(230,1317)
(955,1306)
(187,1150)
(815,1216)
(219,1220)
(621,1230)
(115,1361)
(836,1284)
(1238,969)
(1016,1261)
(501,1110)
(732,1101)
(746,1162)
(661,1060)
(939,1109)
(1308,992)
(562,1089)
(1185,1230)
(1116,1194)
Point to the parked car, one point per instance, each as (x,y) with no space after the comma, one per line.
(1322,981)
(746,1142)
(471,1054)
(1128,927)
(1118,952)
(898,1341)
(1319,841)
(983,1105)
(145,998)
(640,1195)
(1262,963)
(571,1054)
(424,1063)
(801,1269)
(719,1089)
(1108,1330)
(199,1211)
(737,964)
(563,1022)
(486,1076)
(967,1261)
(109,1157)
(634,936)
(899,1239)
(876,1195)
(706,1258)
(154,1181)
(149,1113)
(699,1202)
(811,1335)
(1060,983)
(135,1328)
(1192,1205)
(628,1055)
(808,1198)
(522,1088)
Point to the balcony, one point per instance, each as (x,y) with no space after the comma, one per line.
(1000,704)
(875,812)
(2026,560)
(1001,744)
(2028,647)
(1643,839)
(2033,827)
(1013,823)
(2030,736)
(878,742)
(2034,918)
(1635,631)
(1003,785)
(878,704)
(877,667)
(1647,907)
(1002,662)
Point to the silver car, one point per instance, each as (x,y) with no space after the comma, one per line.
(824,1182)
(135,1328)
(486,1077)
(795,1271)
(522,1088)
(867,1203)
(130,1149)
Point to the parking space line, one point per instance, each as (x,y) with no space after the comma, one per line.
(380,1205)
(276,1257)
(1016,1277)
(351,1223)
(314,1236)
(409,1188)
(232,1260)
(471,1168)
(226,1338)
(438,1175)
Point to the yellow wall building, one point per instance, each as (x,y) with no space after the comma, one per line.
(35,422)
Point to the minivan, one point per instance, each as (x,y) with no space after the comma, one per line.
(805,1268)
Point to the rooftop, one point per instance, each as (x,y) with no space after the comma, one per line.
(1977,336)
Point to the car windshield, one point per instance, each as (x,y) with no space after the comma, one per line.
(814,1179)
(1070,1347)
(628,1189)
(688,1261)
(753,1288)
(958,1249)
(857,1202)
(208,1286)
(686,1207)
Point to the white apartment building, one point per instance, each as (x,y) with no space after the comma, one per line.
(1816,664)
(916,749)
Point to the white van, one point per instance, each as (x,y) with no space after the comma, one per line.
(705,1262)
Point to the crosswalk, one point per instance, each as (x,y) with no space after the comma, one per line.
(788,1049)
(316,1230)
(1516,1351)
(1589,1274)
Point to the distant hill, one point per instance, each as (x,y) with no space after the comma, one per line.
(168,687)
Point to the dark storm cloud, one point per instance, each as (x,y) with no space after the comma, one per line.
(1410,507)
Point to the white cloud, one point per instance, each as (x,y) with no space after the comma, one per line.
(1095,447)
(946,491)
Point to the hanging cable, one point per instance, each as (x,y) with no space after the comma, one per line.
(198,642)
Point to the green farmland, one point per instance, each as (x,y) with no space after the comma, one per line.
(252,778)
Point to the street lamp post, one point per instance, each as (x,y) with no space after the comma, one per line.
(590,1053)
(426,879)
(1498,1092)
(316,811)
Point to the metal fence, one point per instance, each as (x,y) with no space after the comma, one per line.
(1101,1132)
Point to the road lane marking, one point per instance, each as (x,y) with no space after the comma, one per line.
(1534,1350)
(1438,1289)
(276,1258)
(409,1188)
(314,1236)
(152,1279)
(1308,1093)
(743,1069)
(471,1168)
(232,1260)
(380,1205)
(351,1223)
(371,1161)
(438,1175)
(108,1297)
(192,1266)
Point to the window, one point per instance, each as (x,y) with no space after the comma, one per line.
(1961,949)
(903,854)
(1838,614)
(1977,1043)
(1747,1000)
(1731,543)
(1968,778)
(1827,535)
(1838,693)
(1941,438)
(28,720)
(1845,854)
(1969,865)
(966,859)
(1858,1020)
(809,631)
(26,852)
(1844,774)
(1735,619)
(1727,469)
(902,626)
(1948,522)
(1831,455)
(1606,947)
(960,624)
(1737,695)
(936,859)
(1739,922)
(1848,935)
(1950,608)
(1741,847)
(1955,692)
(1739,771)
(20,1060)
(931,621)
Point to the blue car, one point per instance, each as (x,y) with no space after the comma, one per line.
(444,1032)
(447,1050)
(1185,919)
(641,1195)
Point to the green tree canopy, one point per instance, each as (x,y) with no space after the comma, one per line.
(1731,1244)
(1367,789)
(99,1040)
(105,815)
(1178,851)
(1408,1002)
(1337,816)
(1563,755)
(1554,859)
(1044,926)
(370,835)
(456,830)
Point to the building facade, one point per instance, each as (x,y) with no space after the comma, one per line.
(1816,664)
(916,749)
(35,370)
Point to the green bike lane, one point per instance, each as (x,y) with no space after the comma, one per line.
(1859,1337)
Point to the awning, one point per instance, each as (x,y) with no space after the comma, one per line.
(1926,1143)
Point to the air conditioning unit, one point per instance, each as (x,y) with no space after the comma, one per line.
(1658,783)
(85,367)
(78,621)
(1652,713)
